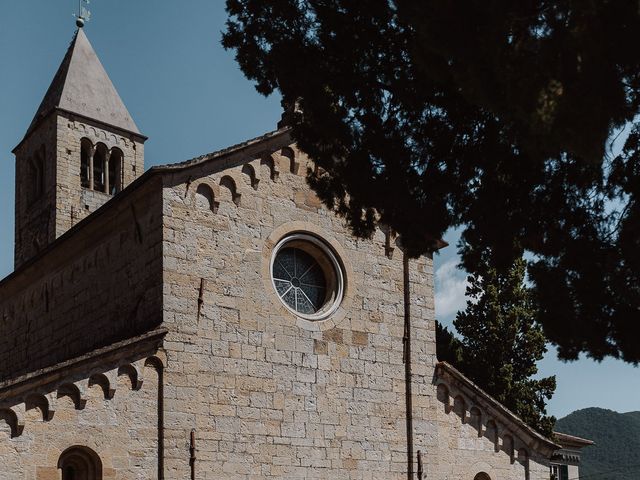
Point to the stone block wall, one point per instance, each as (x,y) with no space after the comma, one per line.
(73,203)
(467,441)
(99,284)
(270,394)
(35,214)
(116,419)
(63,202)
(264,392)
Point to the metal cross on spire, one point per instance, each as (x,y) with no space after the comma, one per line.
(84,15)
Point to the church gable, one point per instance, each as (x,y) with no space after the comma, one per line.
(306,390)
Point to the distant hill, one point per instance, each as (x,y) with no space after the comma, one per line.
(616,454)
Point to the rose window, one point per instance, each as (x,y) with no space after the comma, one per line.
(307,276)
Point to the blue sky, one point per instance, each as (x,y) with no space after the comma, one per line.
(188,95)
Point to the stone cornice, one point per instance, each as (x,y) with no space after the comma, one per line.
(449,375)
(146,343)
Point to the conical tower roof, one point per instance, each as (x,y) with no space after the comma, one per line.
(82,86)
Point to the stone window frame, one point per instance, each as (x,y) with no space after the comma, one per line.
(559,471)
(82,457)
(108,155)
(481,470)
(325,259)
(301,227)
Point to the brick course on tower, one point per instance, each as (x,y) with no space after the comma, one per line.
(212,319)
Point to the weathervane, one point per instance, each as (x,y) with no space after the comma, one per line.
(84,15)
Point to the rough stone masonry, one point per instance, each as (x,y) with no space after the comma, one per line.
(143,334)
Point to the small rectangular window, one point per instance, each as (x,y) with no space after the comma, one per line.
(559,472)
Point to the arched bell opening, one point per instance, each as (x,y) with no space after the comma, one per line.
(99,168)
(86,154)
(115,171)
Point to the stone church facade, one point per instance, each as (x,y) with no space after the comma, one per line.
(212,319)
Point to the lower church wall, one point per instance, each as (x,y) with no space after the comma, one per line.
(121,431)
(467,439)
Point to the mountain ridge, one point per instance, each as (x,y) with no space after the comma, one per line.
(617,442)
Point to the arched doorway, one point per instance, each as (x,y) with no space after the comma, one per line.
(80,463)
(482,476)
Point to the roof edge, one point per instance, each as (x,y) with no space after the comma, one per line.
(138,182)
(180,166)
(572,440)
(457,375)
(139,136)
(66,365)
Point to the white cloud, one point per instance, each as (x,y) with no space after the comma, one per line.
(450,286)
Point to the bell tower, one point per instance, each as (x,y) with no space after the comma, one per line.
(81,148)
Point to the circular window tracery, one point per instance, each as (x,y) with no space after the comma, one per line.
(307,276)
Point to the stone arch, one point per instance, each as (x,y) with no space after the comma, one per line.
(267,160)
(114,175)
(230,184)
(482,476)
(73,392)
(40,402)
(460,407)
(492,433)
(508,446)
(132,373)
(523,455)
(205,198)
(153,369)
(86,152)
(80,463)
(288,153)
(100,156)
(100,379)
(11,418)
(250,172)
(158,361)
(442,394)
(475,419)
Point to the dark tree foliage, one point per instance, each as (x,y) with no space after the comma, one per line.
(491,116)
(448,347)
(502,344)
